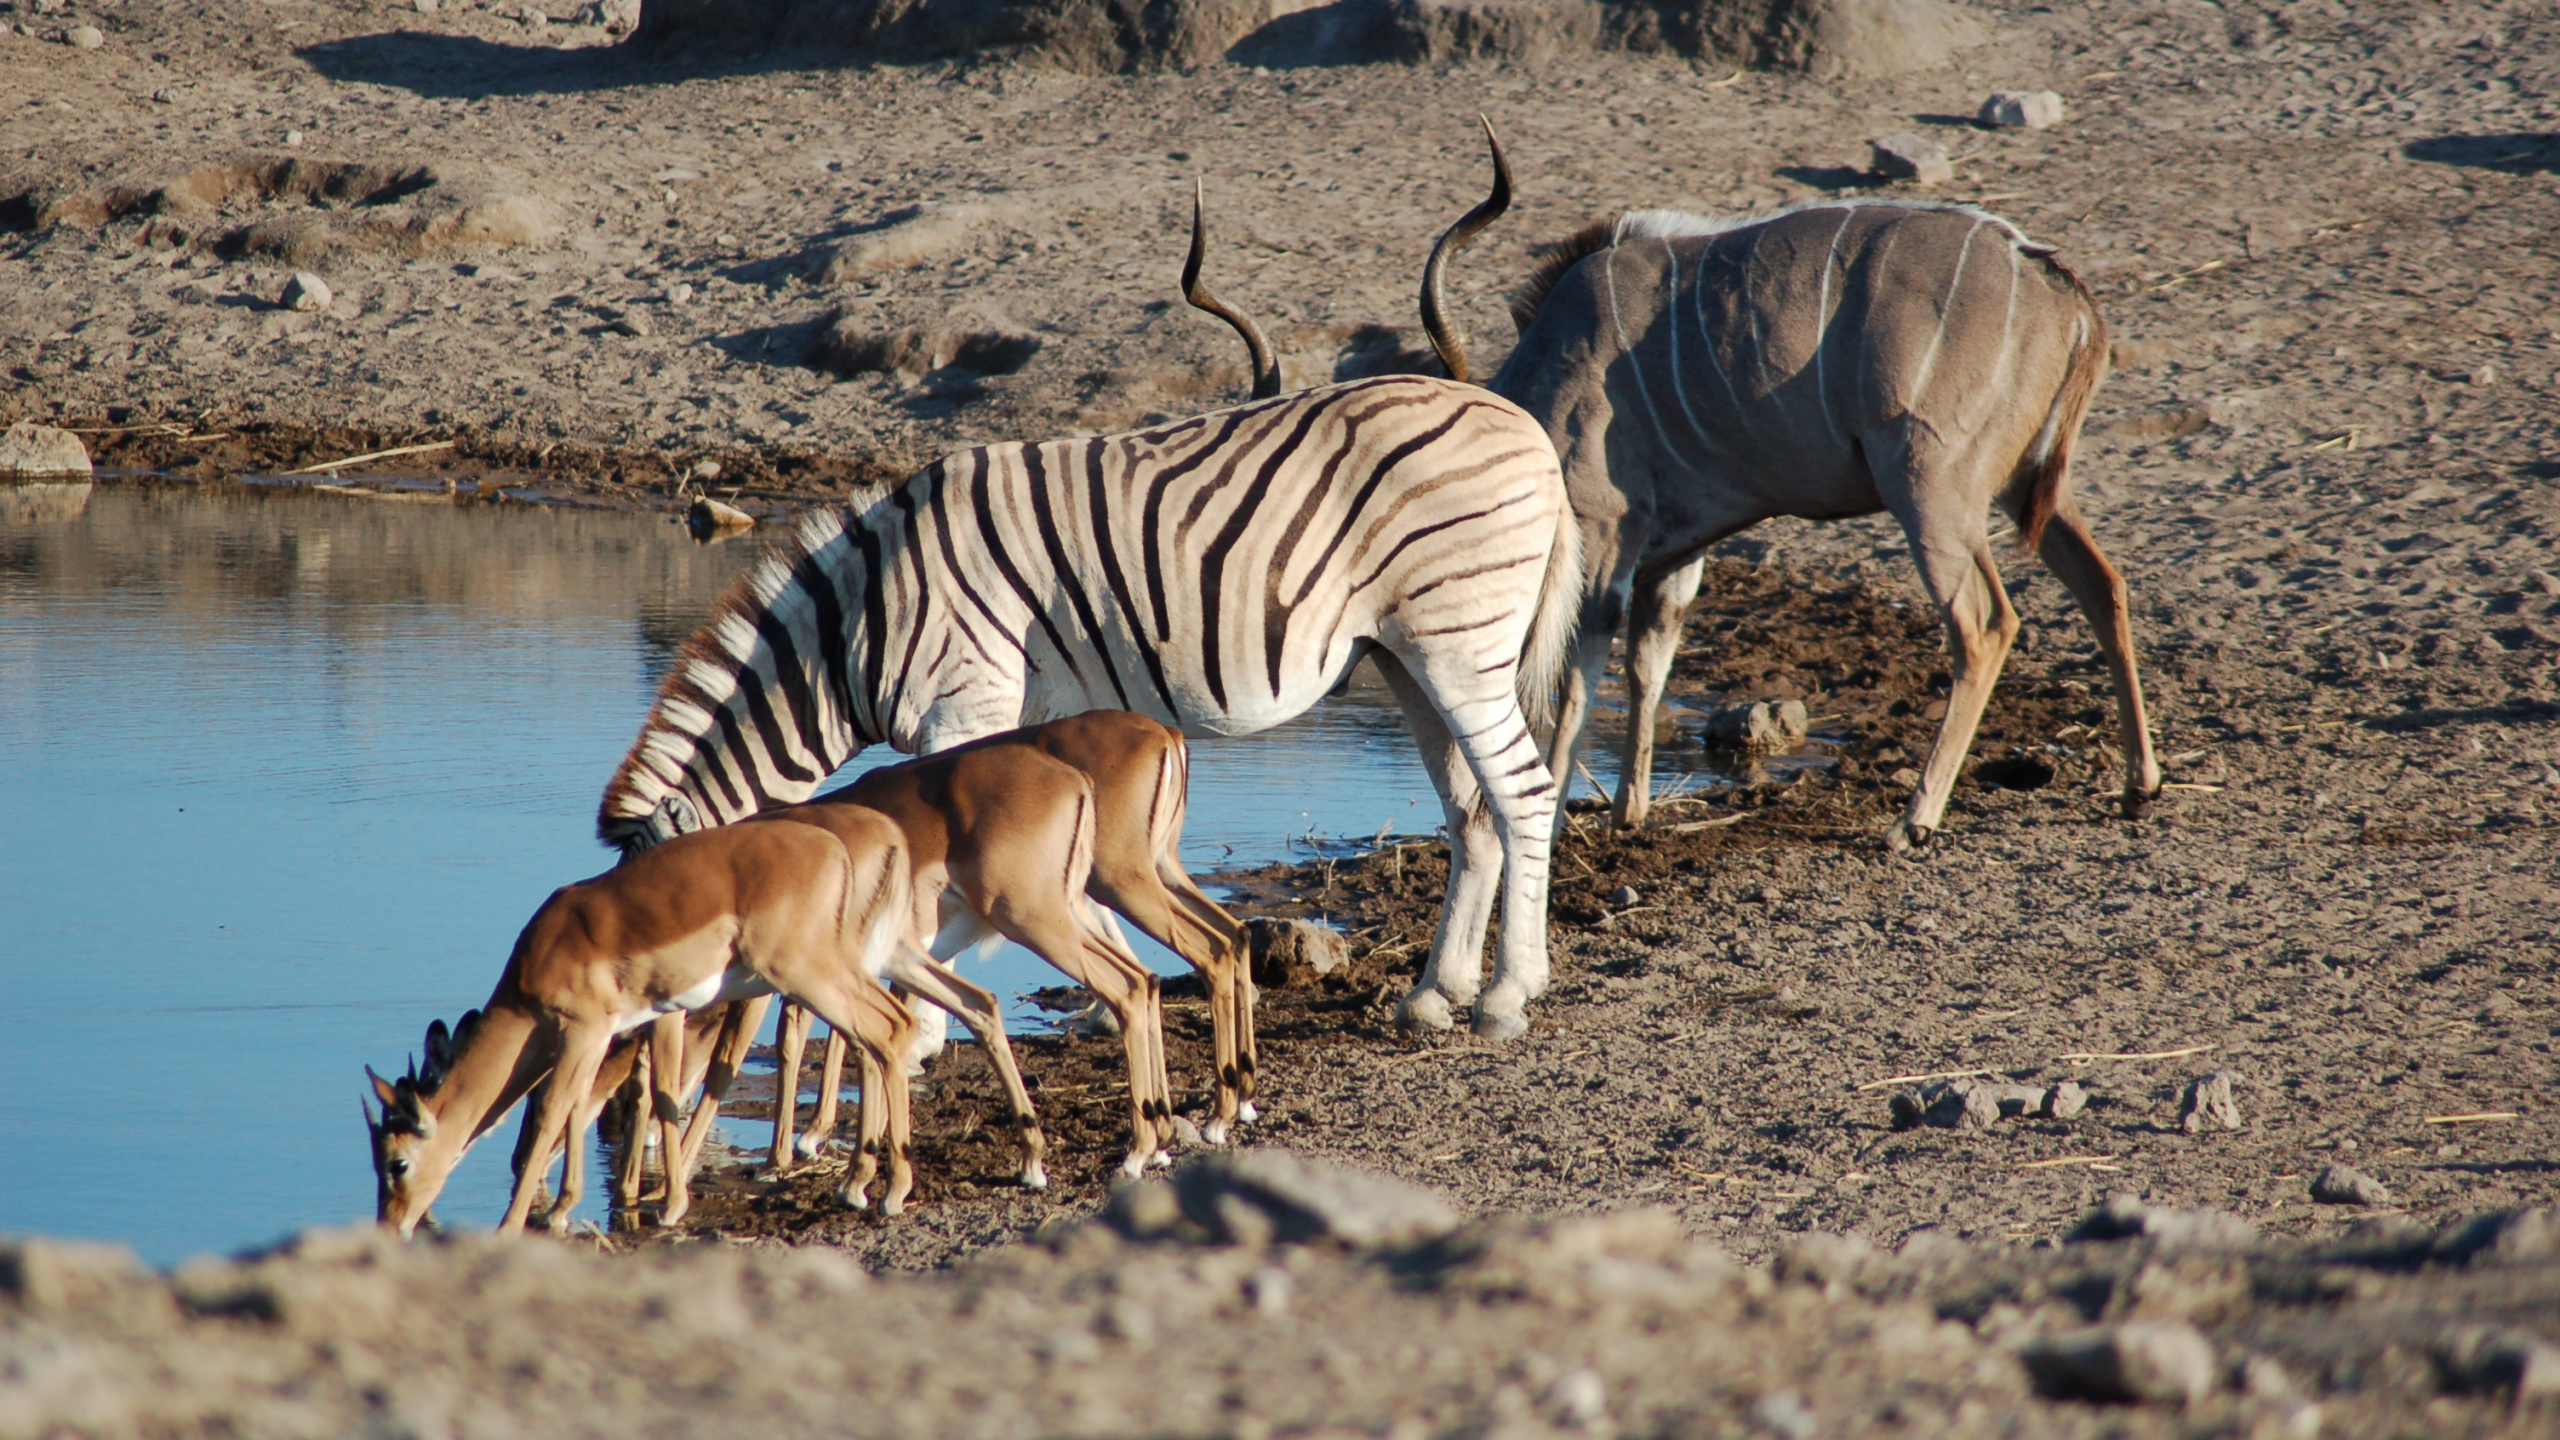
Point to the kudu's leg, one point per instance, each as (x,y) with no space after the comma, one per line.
(2070,552)
(1583,665)
(573,1074)
(1957,567)
(918,975)
(1660,606)
(1455,971)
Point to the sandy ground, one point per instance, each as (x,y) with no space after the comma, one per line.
(2325,465)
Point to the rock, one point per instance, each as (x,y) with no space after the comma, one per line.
(31,450)
(2021,109)
(1143,1210)
(1241,1197)
(703,472)
(2502,1237)
(305,291)
(2209,1105)
(1268,1290)
(47,1277)
(1905,156)
(1579,1399)
(84,37)
(680,293)
(427,7)
(635,325)
(1830,1263)
(2145,1362)
(2341,1185)
(2065,1101)
(2125,1217)
(1293,952)
(848,347)
(708,516)
(1764,727)
(1784,1414)
(2487,1359)
(1971,1104)
(1624,896)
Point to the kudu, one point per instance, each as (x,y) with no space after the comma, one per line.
(712,917)
(1699,375)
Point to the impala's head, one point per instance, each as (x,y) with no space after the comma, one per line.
(406,1179)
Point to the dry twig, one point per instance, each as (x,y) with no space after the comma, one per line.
(372,455)
(2083,1057)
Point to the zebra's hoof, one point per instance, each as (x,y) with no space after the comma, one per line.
(1500,1027)
(1425,1009)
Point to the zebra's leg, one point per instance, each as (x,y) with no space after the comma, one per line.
(1479,709)
(1653,637)
(1455,971)
(1981,626)
(2070,552)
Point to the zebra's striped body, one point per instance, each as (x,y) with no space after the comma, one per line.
(1700,375)
(1220,575)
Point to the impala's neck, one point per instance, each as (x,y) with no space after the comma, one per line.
(495,1068)
(767,699)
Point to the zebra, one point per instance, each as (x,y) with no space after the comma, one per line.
(1835,358)
(1219,574)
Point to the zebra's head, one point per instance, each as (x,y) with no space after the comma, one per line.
(674,815)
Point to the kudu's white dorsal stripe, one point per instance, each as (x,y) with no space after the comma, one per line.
(1833,358)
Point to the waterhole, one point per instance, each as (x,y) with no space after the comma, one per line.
(283,773)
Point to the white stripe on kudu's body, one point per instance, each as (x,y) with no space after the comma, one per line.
(1219,574)
(1877,317)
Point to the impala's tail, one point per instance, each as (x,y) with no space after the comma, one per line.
(2050,458)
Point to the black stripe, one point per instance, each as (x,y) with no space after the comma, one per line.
(915,622)
(819,581)
(1044,518)
(951,566)
(1377,476)
(769,729)
(736,742)
(1095,481)
(987,539)
(1152,536)
(1414,535)
(1421,590)
(793,677)
(875,618)
(1213,561)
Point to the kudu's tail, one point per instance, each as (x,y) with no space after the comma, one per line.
(1552,629)
(2049,462)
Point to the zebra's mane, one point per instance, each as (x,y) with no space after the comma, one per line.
(1599,235)
(704,675)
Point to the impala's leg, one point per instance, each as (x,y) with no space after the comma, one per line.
(822,1126)
(581,1052)
(634,1054)
(884,1029)
(790,1039)
(1661,604)
(666,1107)
(977,1009)
(870,1123)
(738,1029)
(1183,924)
(1955,563)
(2071,553)
(1455,970)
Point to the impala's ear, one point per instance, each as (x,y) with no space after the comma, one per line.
(383,1090)
(463,1030)
(372,1117)
(439,1056)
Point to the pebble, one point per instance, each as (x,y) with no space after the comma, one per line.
(2502,1237)
(1981,1104)
(1580,1399)
(1905,156)
(428,7)
(1241,1196)
(636,326)
(1763,727)
(2146,1362)
(2125,1217)
(29,449)
(2486,1359)
(306,292)
(680,294)
(293,137)
(708,516)
(2209,1104)
(1624,896)
(2341,1185)
(85,37)
(2021,109)
(1784,1414)
(703,472)
(1268,1290)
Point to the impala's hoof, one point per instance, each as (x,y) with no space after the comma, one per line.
(807,1146)
(1499,1026)
(1214,1133)
(1035,1176)
(1246,1114)
(854,1199)
(1425,1009)
(1135,1167)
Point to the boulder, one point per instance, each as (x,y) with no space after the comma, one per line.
(2021,109)
(32,451)
(1293,952)
(2146,1362)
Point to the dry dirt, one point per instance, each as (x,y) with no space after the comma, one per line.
(2322,235)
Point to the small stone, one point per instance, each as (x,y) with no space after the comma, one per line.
(293,137)
(2065,1100)
(85,37)
(1764,727)
(680,293)
(2021,109)
(2209,1104)
(1624,896)
(1268,1290)
(1293,952)
(1579,1399)
(1243,1196)
(2340,1185)
(2485,1359)
(635,325)
(306,292)
(2502,1237)
(1905,156)
(2486,374)
(2125,1217)
(1185,1132)
(1144,1210)
(703,472)
(1784,1414)
(708,516)
(30,449)
(427,7)
(2146,1362)
(1966,1104)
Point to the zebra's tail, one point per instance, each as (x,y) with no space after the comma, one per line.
(1551,631)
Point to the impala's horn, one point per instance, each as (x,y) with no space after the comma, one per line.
(1266,366)
(1435,320)
(383,1090)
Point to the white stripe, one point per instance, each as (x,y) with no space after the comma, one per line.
(1708,339)
(1822,332)
(1946,311)
(1679,375)
(1664,224)
(1635,366)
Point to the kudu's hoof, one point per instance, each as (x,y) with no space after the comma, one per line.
(1906,837)
(2136,804)
(1500,1027)
(1425,1009)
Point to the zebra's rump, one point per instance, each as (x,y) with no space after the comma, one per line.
(1218,574)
